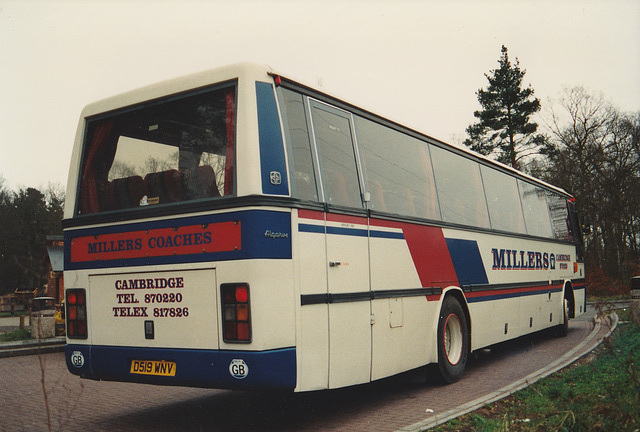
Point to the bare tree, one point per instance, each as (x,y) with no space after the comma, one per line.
(593,153)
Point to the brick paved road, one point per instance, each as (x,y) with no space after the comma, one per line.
(80,405)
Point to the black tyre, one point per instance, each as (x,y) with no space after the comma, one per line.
(453,341)
(562,330)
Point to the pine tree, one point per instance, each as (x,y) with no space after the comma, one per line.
(504,130)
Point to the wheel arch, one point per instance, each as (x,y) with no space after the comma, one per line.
(569,296)
(458,294)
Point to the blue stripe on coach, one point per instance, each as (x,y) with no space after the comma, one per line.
(467,262)
(255,242)
(355,232)
(508,295)
(195,368)
(318,229)
(387,235)
(272,161)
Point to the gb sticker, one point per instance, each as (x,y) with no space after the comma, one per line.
(77,359)
(238,369)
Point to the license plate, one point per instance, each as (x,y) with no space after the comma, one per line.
(153,367)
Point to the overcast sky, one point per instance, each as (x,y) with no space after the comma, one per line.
(417,62)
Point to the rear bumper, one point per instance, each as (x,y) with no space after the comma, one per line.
(194,368)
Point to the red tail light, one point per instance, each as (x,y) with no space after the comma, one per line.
(76,314)
(236,313)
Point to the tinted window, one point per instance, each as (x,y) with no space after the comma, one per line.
(503,200)
(332,132)
(460,190)
(398,171)
(304,181)
(536,212)
(177,150)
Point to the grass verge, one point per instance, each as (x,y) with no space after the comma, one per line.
(599,393)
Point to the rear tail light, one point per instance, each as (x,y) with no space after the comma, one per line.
(236,313)
(76,314)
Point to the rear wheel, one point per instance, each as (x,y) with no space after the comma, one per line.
(562,330)
(453,341)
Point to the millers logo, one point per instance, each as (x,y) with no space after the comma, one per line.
(171,241)
(191,239)
(508,259)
